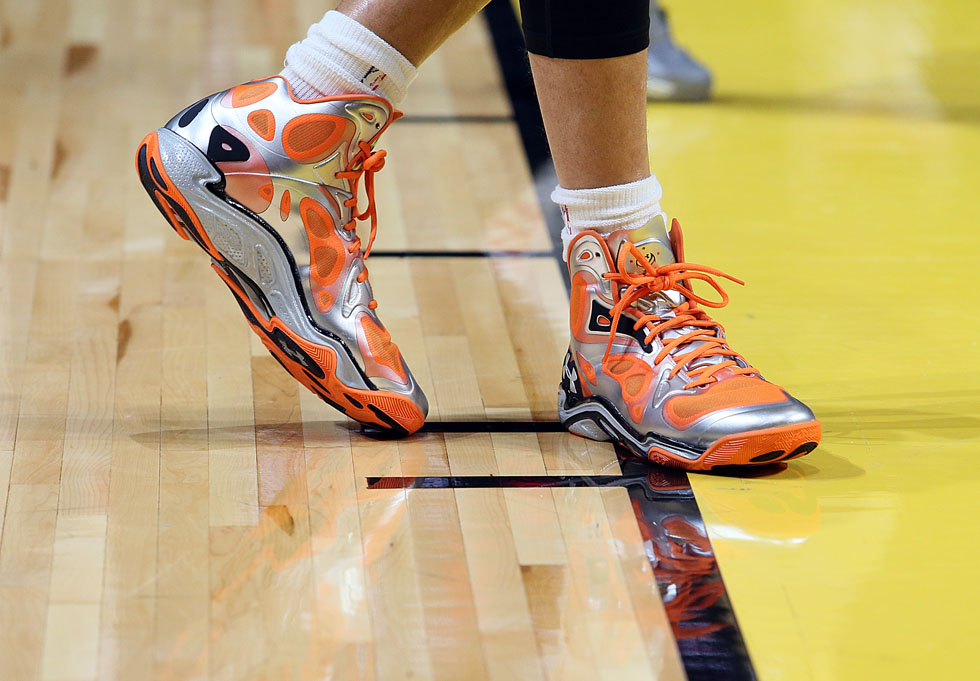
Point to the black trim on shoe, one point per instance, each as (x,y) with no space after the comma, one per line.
(218,189)
(191,113)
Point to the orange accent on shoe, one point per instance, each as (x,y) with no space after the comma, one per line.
(585,256)
(677,240)
(365,163)
(263,122)
(603,320)
(250,93)
(398,408)
(676,277)
(327,254)
(284,206)
(585,371)
(585,366)
(267,191)
(634,377)
(382,350)
(758,447)
(312,137)
(152,144)
(245,180)
(738,391)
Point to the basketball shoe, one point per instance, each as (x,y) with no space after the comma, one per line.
(647,367)
(267,185)
(672,73)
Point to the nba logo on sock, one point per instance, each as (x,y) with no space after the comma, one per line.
(375,75)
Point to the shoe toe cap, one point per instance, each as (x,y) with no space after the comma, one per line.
(752,418)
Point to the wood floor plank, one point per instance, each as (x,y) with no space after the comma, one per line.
(648,609)
(182,598)
(453,634)
(342,642)
(25,576)
(280,458)
(233,478)
(43,403)
(17,284)
(128,607)
(98,341)
(560,621)
(238,641)
(71,642)
(71,636)
(394,595)
(538,324)
(390,568)
(506,630)
(27,550)
(598,583)
(31,162)
(285,578)
(6,461)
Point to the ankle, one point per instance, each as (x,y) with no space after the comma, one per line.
(340,56)
(607,209)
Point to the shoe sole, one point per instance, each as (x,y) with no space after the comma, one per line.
(259,271)
(663,90)
(597,419)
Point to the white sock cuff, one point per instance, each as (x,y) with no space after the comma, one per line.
(339,52)
(622,206)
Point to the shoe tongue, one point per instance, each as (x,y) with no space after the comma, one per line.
(651,240)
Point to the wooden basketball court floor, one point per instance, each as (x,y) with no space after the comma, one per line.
(174,506)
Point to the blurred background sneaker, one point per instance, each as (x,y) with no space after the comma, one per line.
(672,74)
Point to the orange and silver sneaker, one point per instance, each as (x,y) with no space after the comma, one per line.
(647,366)
(267,185)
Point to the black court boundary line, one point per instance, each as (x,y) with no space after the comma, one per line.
(462,254)
(731,662)
(493,427)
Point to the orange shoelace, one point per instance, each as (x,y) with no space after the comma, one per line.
(365,162)
(675,277)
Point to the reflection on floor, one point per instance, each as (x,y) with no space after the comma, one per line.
(836,174)
(174,507)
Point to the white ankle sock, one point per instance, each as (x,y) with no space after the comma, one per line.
(605,209)
(339,56)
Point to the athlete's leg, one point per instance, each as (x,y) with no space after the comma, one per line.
(646,365)
(594,112)
(416,29)
(589,64)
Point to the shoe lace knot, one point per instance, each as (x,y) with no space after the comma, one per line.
(365,163)
(693,324)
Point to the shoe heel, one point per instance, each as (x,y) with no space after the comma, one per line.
(573,414)
(163,191)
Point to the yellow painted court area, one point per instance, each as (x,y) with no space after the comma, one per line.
(837,172)
(173,506)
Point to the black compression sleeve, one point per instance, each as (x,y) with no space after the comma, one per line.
(585,29)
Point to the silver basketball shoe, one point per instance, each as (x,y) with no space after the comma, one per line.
(648,368)
(672,74)
(267,185)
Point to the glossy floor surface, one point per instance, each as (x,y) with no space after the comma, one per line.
(173,506)
(837,173)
